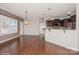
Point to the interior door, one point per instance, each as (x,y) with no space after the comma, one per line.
(42,28)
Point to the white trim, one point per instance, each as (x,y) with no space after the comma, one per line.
(8,39)
(74,49)
(32,34)
(21,34)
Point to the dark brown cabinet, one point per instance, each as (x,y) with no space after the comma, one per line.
(68,23)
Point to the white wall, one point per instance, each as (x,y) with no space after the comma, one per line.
(77,12)
(32,28)
(21,28)
(67,39)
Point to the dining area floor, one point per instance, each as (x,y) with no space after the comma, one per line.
(33,45)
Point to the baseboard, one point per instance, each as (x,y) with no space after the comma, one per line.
(9,39)
(70,48)
(31,35)
(21,34)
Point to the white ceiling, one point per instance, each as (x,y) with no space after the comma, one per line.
(38,9)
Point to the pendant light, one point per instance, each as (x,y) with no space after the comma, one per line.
(69,14)
(26,21)
(49,15)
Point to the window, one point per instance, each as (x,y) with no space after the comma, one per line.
(7,25)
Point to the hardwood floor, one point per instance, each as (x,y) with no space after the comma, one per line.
(33,45)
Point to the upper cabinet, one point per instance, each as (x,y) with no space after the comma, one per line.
(67,23)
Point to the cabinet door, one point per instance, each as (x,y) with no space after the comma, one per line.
(47,23)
